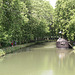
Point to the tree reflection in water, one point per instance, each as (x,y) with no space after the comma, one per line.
(62,53)
(48,72)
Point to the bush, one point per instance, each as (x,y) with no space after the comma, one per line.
(2,53)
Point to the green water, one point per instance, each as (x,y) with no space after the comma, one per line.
(43,59)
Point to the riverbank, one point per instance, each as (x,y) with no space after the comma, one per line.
(7,50)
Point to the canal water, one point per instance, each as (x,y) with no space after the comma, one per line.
(43,59)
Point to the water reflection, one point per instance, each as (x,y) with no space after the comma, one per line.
(62,53)
(1,59)
(66,62)
(39,60)
(48,72)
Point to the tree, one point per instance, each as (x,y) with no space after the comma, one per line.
(40,16)
(64,14)
(24,20)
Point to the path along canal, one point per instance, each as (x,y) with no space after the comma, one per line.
(43,59)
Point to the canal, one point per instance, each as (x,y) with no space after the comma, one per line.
(43,59)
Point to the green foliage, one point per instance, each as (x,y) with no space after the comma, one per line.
(65,18)
(14,48)
(24,20)
(40,16)
(2,52)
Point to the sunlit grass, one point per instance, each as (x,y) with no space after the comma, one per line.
(15,48)
(2,52)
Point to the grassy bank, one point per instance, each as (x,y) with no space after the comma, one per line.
(2,53)
(7,50)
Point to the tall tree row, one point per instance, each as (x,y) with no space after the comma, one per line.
(29,20)
(40,16)
(65,18)
(24,20)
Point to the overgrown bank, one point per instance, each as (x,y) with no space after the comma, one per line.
(23,21)
(7,50)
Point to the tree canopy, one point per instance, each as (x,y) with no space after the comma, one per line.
(24,20)
(65,18)
(29,20)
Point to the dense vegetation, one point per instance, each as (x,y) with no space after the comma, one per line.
(24,20)
(29,20)
(65,18)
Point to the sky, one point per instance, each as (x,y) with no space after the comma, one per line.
(52,2)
